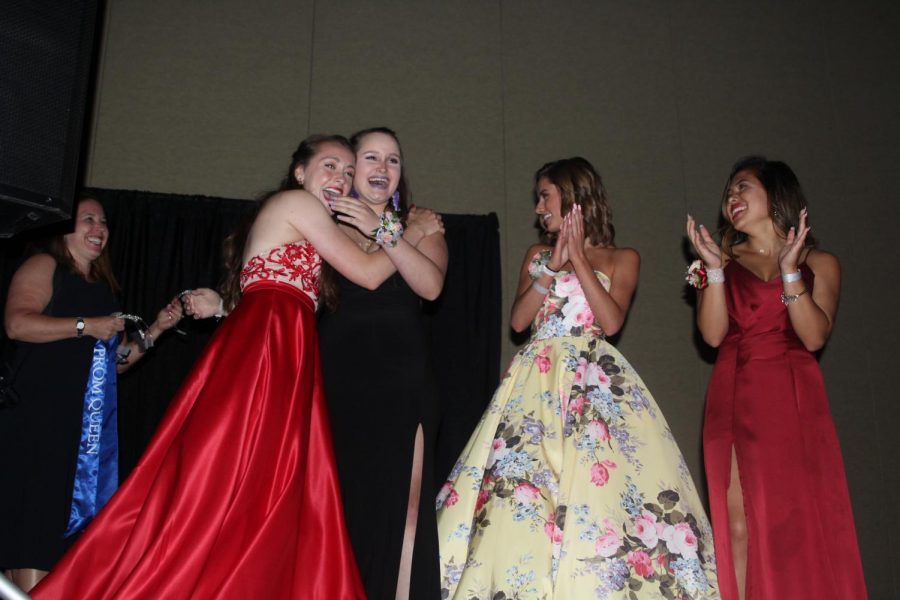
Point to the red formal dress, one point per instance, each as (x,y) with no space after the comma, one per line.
(767,400)
(237,495)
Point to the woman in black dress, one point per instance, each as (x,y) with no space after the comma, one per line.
(60,303)
(380,392)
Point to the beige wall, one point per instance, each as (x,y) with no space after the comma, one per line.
(211,97)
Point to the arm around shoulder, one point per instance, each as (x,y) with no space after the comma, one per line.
(312,221)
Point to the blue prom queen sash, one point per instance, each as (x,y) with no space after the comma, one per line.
(97,469)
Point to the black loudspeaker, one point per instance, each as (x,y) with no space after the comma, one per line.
(46,51)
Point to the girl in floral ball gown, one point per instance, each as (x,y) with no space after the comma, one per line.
(572,485)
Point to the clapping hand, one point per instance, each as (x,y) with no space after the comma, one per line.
(789,255)
(574,226)
(560,255)
(704,244)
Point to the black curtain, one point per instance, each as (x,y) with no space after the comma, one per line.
(162,244)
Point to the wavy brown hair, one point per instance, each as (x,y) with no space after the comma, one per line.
(579,183)
(786,199)
(55,245)
(235,244)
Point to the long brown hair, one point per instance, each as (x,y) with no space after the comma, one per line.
(328,279)
(579,183)
(101,267)
(786,199)
(235,244)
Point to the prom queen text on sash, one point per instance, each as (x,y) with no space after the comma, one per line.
(98,379)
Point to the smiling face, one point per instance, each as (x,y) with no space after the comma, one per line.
(549,205)
(90,235)
(378,168)
(328,173)
(746,201)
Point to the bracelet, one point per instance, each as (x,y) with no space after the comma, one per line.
(146,341)
(789,298)
(789,277)
(539,288)
(145,338)
(715,275)
(220,311)
(548,271)
(389,232)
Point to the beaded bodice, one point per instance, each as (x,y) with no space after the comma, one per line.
(295,263)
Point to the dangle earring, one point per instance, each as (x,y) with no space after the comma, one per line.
(395,200)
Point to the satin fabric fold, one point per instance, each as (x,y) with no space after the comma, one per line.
(767,400)
(236,496)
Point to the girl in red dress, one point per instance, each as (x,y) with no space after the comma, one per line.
(781,515)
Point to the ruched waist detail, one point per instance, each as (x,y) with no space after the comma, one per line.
(765,346)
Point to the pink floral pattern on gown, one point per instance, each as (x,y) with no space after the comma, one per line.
(572,485)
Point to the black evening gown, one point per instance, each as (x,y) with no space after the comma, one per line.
(39,436)
(379,388)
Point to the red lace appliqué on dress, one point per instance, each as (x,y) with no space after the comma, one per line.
(296,263)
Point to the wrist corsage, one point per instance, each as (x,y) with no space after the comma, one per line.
(696,275)
(390,230)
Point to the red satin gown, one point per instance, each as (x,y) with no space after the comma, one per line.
(767,400)
(237,494)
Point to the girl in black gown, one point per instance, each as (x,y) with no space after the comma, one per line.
(381,395)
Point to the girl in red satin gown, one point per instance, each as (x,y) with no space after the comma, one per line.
(237,495)
(781,515)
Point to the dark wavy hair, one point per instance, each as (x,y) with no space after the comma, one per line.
(579,183)
(235,244)
(55,245)
(786,199)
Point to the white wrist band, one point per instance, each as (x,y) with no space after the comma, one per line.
(789,277)
(715,275)
(548,271)
(539,288)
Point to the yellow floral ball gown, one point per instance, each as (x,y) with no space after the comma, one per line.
(572,485)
